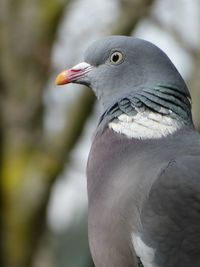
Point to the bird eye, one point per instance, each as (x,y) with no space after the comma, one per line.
(116,57)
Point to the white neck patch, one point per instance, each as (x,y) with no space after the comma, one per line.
(145,125)
(145,253)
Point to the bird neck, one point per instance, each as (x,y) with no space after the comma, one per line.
(152,112)
(145,125)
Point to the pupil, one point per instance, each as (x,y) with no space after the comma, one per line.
(115,57)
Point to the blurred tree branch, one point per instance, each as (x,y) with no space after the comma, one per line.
(131,12)
(28,29)
(1,184)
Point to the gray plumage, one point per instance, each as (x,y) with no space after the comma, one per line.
(142,192)
(151,187)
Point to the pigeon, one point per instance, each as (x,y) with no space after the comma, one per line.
(143,171)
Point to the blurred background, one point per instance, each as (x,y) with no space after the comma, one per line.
(46,132)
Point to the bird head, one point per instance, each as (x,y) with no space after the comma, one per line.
(119,66)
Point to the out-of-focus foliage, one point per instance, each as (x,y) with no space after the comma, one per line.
(30,159)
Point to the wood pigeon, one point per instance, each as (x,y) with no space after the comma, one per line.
(143,172)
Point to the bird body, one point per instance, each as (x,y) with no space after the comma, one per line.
(145,205)
(143,172)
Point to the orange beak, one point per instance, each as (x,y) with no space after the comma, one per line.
(63,78)
(73,75)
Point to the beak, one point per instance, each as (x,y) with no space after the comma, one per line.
(74,74)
